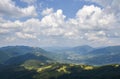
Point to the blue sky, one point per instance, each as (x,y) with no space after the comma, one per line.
(59,22)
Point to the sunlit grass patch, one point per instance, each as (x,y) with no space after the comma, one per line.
(63,69)
(116,65)
(44,68)
(88,68)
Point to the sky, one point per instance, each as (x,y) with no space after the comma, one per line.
(44,23)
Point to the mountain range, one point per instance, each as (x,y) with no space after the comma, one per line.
(13,52)
(88,55)
(79,55)
(81,62)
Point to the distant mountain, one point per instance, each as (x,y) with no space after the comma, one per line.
(78,49)
(88,55)
(20,50)
(80,54)
(3,56)
(82,49)
(13,51)
(70,54)
(23,58)
(106,50)
(107,55)
(56,48)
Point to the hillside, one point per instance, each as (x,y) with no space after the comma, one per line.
(14,51)
(107,55)
(3,56)
(24,58)
(61,71)
(82,49)
(20,50)
(88,55)
(80,54)
(23,62)
(69,54)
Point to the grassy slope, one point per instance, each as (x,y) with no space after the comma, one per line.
(60,71)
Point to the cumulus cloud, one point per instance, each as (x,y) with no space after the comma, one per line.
(2,31)
(54,19)
(9,39)
(93,17)
(25,35)
(110,6)
(91,25)
(8,8)
(47,11)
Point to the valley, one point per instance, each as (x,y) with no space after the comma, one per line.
(83,62)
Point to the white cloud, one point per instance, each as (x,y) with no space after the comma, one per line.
(25,35)
(92,37)
(91,25)
(110,6)
(91,17)
(10,39)
(8,8)
(29,11)
(3,31)
(2,20)
(47,11)
(54,19)
(101,33)
(10,24)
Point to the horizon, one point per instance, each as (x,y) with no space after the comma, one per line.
(70,23)
(43,47)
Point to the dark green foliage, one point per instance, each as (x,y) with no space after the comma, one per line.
(108,72)
(14,72)
(33,63)
(75,72)
(105,72)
